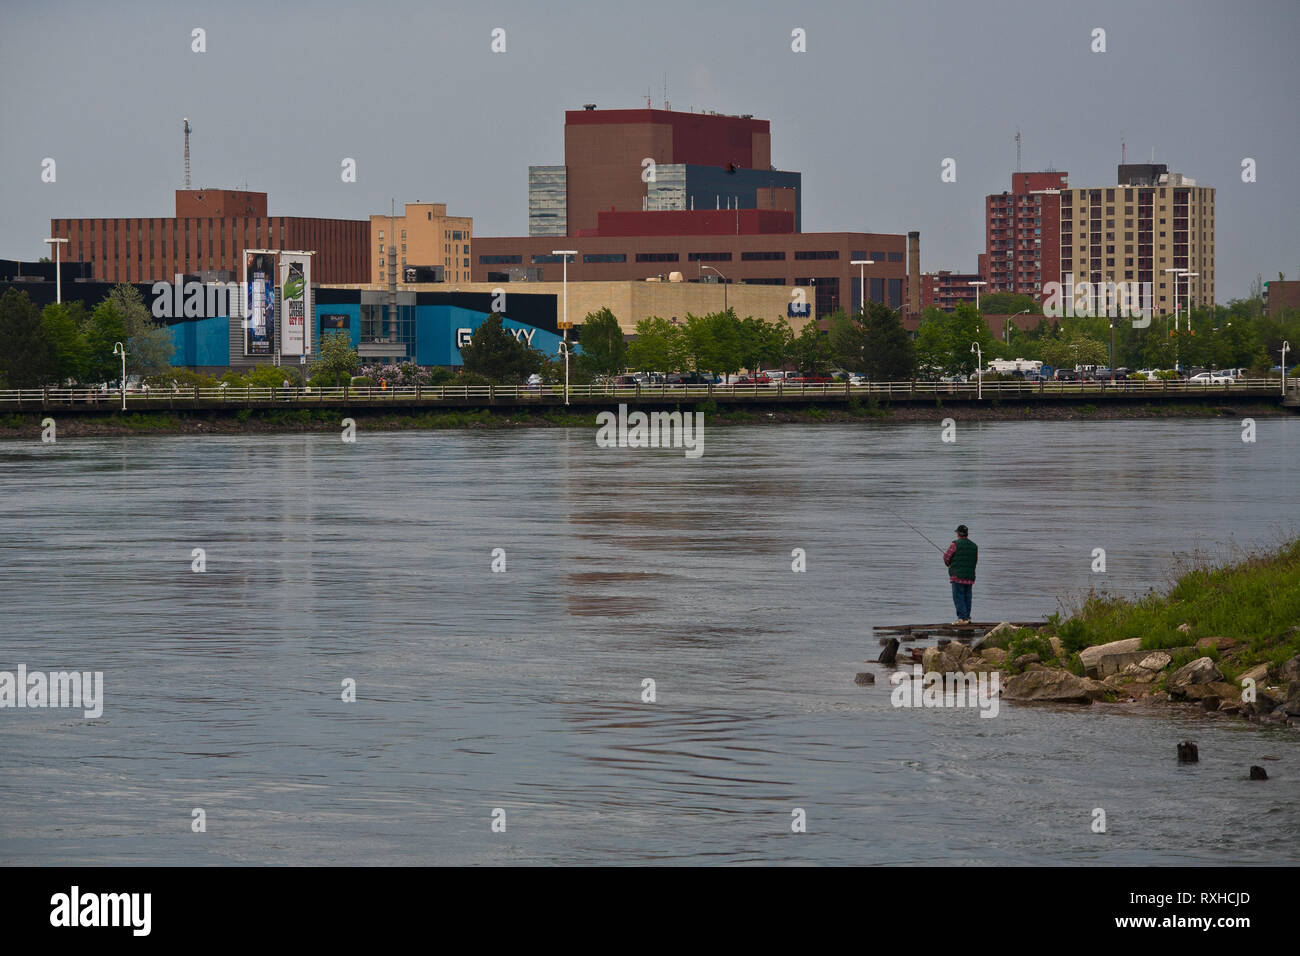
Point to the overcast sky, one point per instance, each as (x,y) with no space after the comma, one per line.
(884,93)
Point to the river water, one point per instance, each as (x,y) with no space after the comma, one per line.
(522,691)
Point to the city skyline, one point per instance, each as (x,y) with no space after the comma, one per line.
(465,131)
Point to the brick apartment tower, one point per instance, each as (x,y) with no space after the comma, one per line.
(1022,231)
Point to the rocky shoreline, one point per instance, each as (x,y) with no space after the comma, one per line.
(20,425)
(1123,672)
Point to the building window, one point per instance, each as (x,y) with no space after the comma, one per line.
(656,257)
(547,259)
(605,257)
(824,254)
(708,257)
(762,256)
(895,257)
(500,260)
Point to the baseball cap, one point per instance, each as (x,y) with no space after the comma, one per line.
(962,529)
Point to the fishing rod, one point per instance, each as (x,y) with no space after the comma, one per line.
(917,530)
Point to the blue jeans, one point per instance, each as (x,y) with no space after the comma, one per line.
(961,595)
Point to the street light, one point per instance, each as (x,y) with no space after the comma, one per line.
(977,293)
(724,284)
(1285,347)
(862,279)
(1006,331)
(58,273)
(1175,271)
(1189,276)
(979,372)
(119,349)
(564,326)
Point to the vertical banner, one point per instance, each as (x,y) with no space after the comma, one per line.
(295,299)
(259,304)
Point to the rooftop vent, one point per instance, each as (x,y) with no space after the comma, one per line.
(588,106)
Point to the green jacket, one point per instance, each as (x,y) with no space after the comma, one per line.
(961,559)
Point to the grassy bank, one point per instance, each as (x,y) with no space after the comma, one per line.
(1239,614)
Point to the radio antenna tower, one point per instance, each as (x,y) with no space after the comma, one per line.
(1017,149)
(187,152)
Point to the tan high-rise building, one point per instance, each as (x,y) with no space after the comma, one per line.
(1152,221)
(423,237)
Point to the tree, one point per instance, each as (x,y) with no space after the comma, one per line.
(104,328)
(604,350)
(149,345)
(657,346)
(1006,303)
(1074,348)
(497,355)
(931,346)
(26,358)
(890,354)
(337,362)
(61,325)
(848,341)
(812,350)
(713,342)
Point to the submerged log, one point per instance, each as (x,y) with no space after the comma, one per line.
(864,678)
(1187,752)
(889,652)
(1258,773)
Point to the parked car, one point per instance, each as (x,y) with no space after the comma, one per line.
(690,378)
(624,381)
(1212,378)
(807,378)
(1068,375)
(758,379)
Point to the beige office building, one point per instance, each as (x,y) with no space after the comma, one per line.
(632,300)
(423,237)
(1153,220)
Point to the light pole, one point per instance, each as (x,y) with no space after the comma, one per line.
(1285,348)
(724,284)
(1006,331)
(1175,272)
(977,293)
(119,349)
(1189,276)
(58,273)
(1112,351)
(862,279)
(564,326)
(979,370)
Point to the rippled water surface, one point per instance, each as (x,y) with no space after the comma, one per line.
(523,690)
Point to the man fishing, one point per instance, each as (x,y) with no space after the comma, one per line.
(961,558)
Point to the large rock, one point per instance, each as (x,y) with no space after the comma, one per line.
(1058,649)
(994,655)
(1286,672)
(1258,673)
(947,659)
(1102,660)
(1222,643)
(999,636)
(1292,704)
(1218,689)
(1052,684)
(1200,671)
(1148,669)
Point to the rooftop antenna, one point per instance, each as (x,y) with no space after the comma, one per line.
(666,105)
(1017,149)
(1123,150)
(187,152)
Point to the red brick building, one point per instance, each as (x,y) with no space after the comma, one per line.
(209,232)
(945,289)
(645,193)
(1022,231)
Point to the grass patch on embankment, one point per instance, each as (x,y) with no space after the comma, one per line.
(1254,600)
